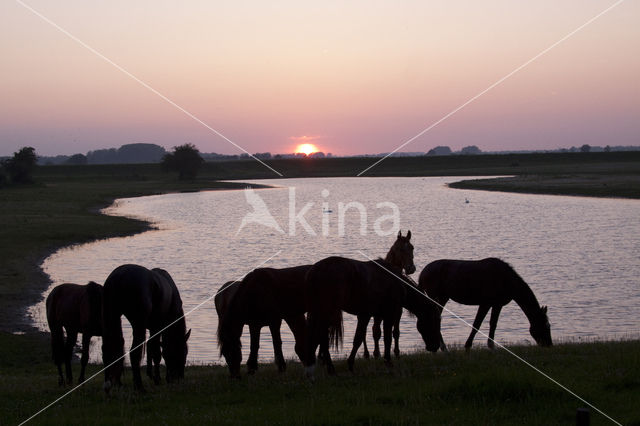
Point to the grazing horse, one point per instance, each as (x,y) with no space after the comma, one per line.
(364,289)
(490,283)
(77,309)
(150,300)
(264,297)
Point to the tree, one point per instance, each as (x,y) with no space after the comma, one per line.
(185,159)
(21,165)
(585,148)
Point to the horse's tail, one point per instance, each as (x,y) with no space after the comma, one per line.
(336,330)
(57,335)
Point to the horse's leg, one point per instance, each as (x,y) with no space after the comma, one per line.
(482,312)
(311,345)
(365,350)
(324,351)
(441,302)
(376,331)
(387,328)
(57,350)
(86,342)
(277,345)
(396,338)
(493,322)
(252,362)
(154,354)
(72,336)
(135,355)
(361,332)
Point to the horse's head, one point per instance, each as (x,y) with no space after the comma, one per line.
(174,352)
(429,327)
(401,253)
(540,329)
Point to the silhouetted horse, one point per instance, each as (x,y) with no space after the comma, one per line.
(490,283)
(77,309)
(264,297)
(376,332)
(150,300)
(364,289)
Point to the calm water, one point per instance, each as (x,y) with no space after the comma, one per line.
(579,255)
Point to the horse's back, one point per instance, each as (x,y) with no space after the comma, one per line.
(470,282)
(76,307)
(128,291)
(274,292)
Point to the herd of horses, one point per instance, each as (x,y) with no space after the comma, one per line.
(311,299)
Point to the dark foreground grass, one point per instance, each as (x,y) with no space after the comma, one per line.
(482,387)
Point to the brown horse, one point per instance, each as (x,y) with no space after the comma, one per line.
(150,300)
(264,297)
(364,289)
(77,309)
(490,283)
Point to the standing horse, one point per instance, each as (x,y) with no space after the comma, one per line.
(77,309)
(490,283)
(376,331)
(150,300)
(364,289)
(264,297)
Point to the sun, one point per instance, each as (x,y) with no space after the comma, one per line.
(306,148)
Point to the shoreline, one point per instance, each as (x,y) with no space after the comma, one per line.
(37,281)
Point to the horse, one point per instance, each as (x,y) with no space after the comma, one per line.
(264,297)
(77,309)
(376,332)
(364,289)
(490,283)
(150,300)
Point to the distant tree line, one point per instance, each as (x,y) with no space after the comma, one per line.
(19,168)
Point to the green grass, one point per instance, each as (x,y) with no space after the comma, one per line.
(482,387)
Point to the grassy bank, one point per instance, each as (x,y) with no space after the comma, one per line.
(482,387)
(62,208)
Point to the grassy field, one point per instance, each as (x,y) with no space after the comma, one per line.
(482,387)
(62,208)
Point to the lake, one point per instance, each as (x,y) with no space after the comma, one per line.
(581,256)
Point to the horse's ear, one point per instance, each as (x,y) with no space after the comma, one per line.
(408,235)
(186,336)
(400,234)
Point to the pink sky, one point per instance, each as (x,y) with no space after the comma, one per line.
(357,78)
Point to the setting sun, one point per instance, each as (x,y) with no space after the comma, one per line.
(306,148)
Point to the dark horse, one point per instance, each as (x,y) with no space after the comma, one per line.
(264,297)
(376,332)
(490,283)
(77,309)
(149,299)
(364,289)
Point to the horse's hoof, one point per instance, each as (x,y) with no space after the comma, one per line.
(388,363)
(397,354)
(365,355)
(107,386)
(250,372)
(376,355)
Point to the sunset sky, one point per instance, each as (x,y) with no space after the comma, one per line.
(353,78)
